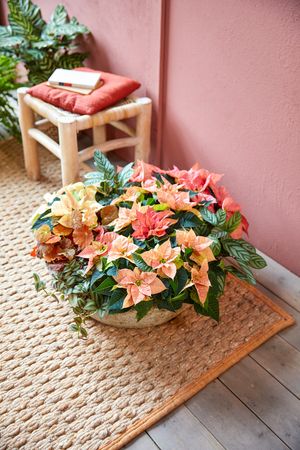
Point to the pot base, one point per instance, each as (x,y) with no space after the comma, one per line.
(127,319)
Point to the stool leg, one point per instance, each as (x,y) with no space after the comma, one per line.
(67,134)
(99,135)
(143,131)
(30,148)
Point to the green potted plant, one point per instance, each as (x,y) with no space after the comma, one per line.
(41,46)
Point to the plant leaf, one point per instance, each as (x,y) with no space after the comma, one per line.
(140,263)
(142,309)
(257,262)
(105,286)
(236,249)
(209,216)
(116,296)
(233,222)
(221,217)
(125,174)
(104,166)
(25,19)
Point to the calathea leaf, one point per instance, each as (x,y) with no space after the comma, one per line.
(72,60)
(243,273)
(236,249)
(104,166)
(59,16)
(233,222)
(221,217)
(257,262)
(25,19)
(217,233)
(7,40)
(125,174)
(208,216)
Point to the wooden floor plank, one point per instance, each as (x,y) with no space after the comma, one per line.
(282,360)
(230,421)
(181,430)
(142,442)
(292,333)
(267,398)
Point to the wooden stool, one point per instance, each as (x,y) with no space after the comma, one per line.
(69,124)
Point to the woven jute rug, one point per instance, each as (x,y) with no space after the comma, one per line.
(59,392)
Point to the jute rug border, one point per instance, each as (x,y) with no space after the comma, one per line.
(184,394)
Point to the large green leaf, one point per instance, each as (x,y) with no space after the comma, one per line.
(233,222)
(116,296)
(208,216)
(104,166)
(221,217)
(257,262)
(236,249)
(243,272)
(59,16)
(125,174)
(142,309)
(105,286)
(70,61)
(7,40)
(25,19)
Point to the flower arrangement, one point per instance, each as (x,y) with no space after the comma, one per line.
(142,238)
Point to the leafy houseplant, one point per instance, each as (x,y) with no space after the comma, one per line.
(142,239)
(9,121)
(41,46)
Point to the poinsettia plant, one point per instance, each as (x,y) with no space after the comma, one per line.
(142,238)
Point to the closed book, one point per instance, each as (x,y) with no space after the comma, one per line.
(75,78)
(76,89)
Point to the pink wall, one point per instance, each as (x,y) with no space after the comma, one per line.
(232,102)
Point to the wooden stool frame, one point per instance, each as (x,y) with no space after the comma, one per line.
(70,124)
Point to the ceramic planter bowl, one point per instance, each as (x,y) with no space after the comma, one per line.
(127,319)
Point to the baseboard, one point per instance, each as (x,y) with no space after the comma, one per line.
(280,281)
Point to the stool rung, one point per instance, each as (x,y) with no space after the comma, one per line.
(123,127)
(45,140)
(113,144)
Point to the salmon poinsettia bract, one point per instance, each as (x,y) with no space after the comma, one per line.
(142,237)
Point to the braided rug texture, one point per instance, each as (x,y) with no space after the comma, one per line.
(59,392)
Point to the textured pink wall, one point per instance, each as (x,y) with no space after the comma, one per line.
(232,102)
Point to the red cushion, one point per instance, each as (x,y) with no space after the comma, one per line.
(114,89)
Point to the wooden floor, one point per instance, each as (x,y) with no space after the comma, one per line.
(254,405)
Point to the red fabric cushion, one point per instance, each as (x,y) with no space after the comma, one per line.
(114,89)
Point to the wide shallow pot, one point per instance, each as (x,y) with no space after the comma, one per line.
(128,319)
